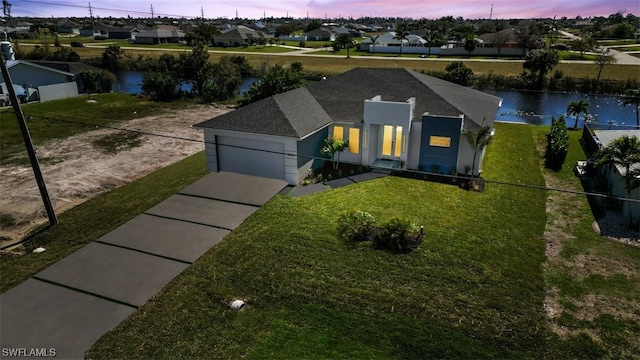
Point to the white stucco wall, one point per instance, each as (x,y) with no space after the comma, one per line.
(380,112)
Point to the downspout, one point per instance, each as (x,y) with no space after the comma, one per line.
(215,141)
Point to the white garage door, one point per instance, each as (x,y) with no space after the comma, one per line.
(251,157)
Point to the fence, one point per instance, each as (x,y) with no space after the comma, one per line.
(58,91)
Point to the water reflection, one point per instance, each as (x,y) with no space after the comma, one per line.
(538,108)
(531,107)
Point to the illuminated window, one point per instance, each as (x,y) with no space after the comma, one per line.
(354,140)
(398,141)
(441,141)
(338,132)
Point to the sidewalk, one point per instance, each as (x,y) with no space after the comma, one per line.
(67,307)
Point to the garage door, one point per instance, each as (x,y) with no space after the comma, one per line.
(251,157)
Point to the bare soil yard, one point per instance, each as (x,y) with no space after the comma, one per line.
(75,169)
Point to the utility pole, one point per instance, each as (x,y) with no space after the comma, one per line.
(29,144)
(6,8)
(491,13)
(152,12)
(93,25)
(202,12)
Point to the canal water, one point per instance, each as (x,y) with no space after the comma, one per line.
(530,107)
(537,108)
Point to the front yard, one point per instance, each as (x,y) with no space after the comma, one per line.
(473,290)
(486,282)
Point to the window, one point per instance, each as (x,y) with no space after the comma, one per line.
(354,140)
(441,141)
(338,132)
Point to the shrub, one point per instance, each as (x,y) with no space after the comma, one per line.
(356,225)
(399,236)
(557,144)
(159,86)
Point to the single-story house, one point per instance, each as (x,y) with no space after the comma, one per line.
(614,175)
(321,34)
(32,74)
(74,67)
(51,83)
(394,118)
(69,27)
(239,35)
(506,38)
(389,39)
(159,36)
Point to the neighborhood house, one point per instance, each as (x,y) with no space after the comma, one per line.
(393,118)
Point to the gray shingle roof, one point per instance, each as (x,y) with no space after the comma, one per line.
(292,114)
(300,112)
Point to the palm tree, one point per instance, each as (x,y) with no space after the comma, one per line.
(632,97)
(333,146)
(433,38)
(374,41)
(478,142)
(576,108)
(623,152)
(401,34)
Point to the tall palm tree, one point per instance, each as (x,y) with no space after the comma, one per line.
(433,38)
(576,108)
(632,97)
(401,34)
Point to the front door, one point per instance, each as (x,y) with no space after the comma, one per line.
(391,142)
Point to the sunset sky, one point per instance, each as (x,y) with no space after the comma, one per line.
(469,9)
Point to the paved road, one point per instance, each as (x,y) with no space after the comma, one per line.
(622,58)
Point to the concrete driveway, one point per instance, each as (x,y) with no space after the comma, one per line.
(67,307)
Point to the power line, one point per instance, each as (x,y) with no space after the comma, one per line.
(498,182)
(108,9)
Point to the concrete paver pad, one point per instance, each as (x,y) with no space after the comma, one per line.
(203,211)
(244,189)
(38,315)
(166,237)
(124,275)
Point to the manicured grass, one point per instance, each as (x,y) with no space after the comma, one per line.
(92,219)
(334,65)
(112,108)
(473,290)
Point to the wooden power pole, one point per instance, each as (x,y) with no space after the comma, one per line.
(29,144)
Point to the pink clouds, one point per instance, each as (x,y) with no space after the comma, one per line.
(471,9)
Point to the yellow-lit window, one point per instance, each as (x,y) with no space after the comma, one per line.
(398,141)
(338,132)
(354,140)
(441,141)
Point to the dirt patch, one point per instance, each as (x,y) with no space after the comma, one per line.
(562,215)
(80,170)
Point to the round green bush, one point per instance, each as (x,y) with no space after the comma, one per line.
(355,225)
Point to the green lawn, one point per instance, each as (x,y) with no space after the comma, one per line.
(473,290)
(113,108)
